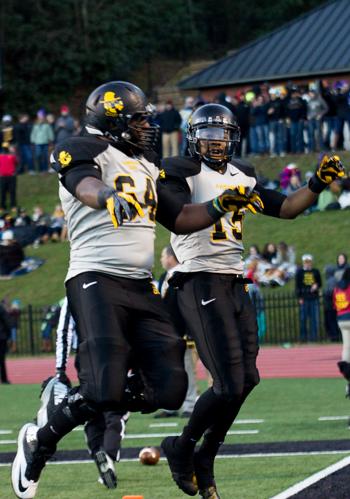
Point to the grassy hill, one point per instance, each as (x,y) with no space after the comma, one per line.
(322,234)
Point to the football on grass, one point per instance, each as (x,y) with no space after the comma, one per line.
(149,455)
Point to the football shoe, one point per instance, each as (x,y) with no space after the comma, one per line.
(105,466)
(181,466)
(29,462)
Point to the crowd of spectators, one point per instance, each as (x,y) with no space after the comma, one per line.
(273,266)
(276,120)
(31,141)
(19,229)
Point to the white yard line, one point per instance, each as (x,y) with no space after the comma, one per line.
(5,432)
(333,418)
(316,477)
(163,425)
(155,435)
(4,442)
(249,421)
(228,456)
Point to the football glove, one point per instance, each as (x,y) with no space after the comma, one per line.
(234,200)
(330,169)
(120,205)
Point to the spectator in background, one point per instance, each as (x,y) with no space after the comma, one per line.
(316,108)
(296,115)
(276,115)
(42,136)
(5,332)
(242,111)
(185,113)
(14,315)
(342,104)
(293,185)
(308,284)
(170,122)
(269,252)
(341,266)
(8,179)
(259,126)
(344,198)
(22,133)
(328,199)
(329,118)
(64,125)
(285,260)
(49,323)
(57,223)
(6,131)
(11,253)
(341,300)
(330,314)
(254,254)
(285,175)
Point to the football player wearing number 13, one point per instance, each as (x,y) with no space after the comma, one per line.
(211,290)
(109,175)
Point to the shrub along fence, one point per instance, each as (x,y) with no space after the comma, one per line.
(277,314)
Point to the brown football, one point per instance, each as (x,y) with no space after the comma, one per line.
(149,455)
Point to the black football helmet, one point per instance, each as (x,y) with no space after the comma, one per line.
(119,110)
(213,134)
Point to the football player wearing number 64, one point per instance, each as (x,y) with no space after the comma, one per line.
(212,295)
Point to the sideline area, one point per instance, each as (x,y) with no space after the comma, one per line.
(300,361)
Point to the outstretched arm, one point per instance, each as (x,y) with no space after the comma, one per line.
(279,205)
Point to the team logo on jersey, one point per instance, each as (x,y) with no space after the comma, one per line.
(112,104)
(155,289)
(64,158)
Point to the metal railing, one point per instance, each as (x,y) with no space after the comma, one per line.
(277,314)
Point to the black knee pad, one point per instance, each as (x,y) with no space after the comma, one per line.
(77,409)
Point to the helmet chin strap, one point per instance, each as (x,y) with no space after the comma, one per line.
(215,165)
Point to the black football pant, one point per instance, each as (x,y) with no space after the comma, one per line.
(3,350)
(106,431)
(8,186)
(118,320)
(221,319)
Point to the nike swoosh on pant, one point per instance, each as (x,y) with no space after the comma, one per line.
(206,302)
(85,286)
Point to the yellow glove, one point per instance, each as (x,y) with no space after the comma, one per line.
(121,206)
(330,169)
(234,200)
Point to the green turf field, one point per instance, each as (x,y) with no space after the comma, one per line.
(289,408)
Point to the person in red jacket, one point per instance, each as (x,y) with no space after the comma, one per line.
(341,301)
(8,180)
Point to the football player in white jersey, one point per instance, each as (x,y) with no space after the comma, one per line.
(110,196)
(212,293)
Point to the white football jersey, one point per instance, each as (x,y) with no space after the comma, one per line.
(96,245)
(218,248)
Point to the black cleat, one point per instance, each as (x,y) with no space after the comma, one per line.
(105,466)
(204,470)
(209,493)
(181,466)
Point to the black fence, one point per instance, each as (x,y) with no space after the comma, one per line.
(277,314)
